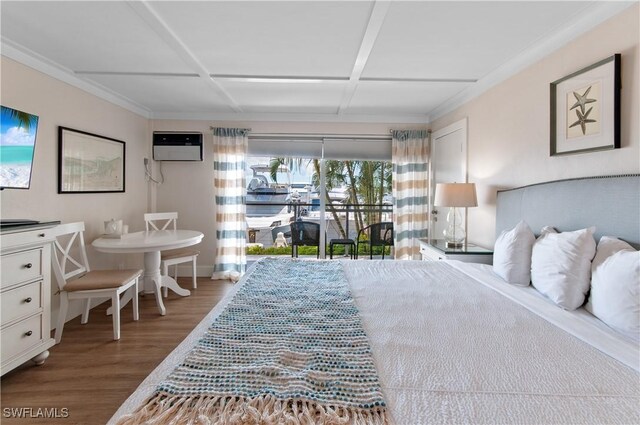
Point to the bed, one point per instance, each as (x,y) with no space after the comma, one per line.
(454,343)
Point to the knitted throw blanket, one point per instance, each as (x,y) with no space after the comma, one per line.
(288,349)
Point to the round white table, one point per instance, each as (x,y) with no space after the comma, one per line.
(151,243)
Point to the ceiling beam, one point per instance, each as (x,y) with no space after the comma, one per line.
(418,80)
(278,78)
(140,74)
(376,20)
(153,19)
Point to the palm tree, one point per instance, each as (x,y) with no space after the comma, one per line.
(24,119)
(353,186)
(332,177)
(296,164)
(366,180)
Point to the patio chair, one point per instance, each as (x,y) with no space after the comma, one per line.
(304,233)
(377,234)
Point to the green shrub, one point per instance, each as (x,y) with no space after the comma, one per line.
(312,250)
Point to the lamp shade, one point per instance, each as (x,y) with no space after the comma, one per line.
(455,195)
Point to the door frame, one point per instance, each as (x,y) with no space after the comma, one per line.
(461,125)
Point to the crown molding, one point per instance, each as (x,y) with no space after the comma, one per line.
(542,48)
(38,62)
(292,117)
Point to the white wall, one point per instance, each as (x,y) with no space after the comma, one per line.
(59,104)
(508,138)
(188,186)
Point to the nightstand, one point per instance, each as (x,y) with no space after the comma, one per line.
(469,253)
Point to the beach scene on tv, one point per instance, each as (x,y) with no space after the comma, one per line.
(17,144)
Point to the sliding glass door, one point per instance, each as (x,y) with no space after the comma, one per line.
(342,196)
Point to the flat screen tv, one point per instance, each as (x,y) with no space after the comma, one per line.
(17,146)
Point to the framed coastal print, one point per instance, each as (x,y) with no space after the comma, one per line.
(585,109)
(88,163)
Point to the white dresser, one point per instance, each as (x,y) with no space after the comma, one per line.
(25,294)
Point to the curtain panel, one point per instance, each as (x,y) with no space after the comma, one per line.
(410,159)
(230,151)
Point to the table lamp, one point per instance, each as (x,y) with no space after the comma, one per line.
(455,195)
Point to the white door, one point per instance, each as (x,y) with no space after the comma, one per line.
(448,165)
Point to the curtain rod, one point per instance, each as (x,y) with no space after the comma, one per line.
(318,135)
(212,128)
(428,131)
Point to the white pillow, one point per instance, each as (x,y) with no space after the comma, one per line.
(561,265)
(615,286)
(512,254)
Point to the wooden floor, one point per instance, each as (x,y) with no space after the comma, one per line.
(90,374)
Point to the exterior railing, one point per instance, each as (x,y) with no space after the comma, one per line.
(351,217)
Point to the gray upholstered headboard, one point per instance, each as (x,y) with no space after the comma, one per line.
(611,203)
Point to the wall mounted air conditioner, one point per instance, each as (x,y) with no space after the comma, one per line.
(175,146)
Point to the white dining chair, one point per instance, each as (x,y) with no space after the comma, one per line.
(77,281)
(164,221)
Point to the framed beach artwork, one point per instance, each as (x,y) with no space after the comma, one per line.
(585,109)
(17,147)
(88,163)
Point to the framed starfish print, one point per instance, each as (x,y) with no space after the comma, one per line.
(585,109)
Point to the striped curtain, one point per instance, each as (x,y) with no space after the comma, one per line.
(229,151)
(410,158)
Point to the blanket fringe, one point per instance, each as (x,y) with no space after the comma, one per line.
(162,409)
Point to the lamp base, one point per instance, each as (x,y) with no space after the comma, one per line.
(454,244)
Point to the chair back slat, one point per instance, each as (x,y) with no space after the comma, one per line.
(161,221)
(63,256)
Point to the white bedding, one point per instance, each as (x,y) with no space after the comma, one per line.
(451,350)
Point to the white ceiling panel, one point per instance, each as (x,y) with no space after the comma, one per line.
(270,38)
(166,94)
(89,36)
(461,39)
(321,98)
(402,98)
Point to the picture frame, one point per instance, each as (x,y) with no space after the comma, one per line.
(89,163)
(585,109)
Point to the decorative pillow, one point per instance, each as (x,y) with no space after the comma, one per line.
(615,286)
(561,265)
(512,254)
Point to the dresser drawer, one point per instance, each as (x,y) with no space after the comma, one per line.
(21,267)
(20,302)
(20,337)
(19,240)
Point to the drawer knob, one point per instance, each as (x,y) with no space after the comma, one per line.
(41,235)
(28,333)
(28,300)
(28,266)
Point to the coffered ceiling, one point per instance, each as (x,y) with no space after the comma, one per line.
(290,60)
